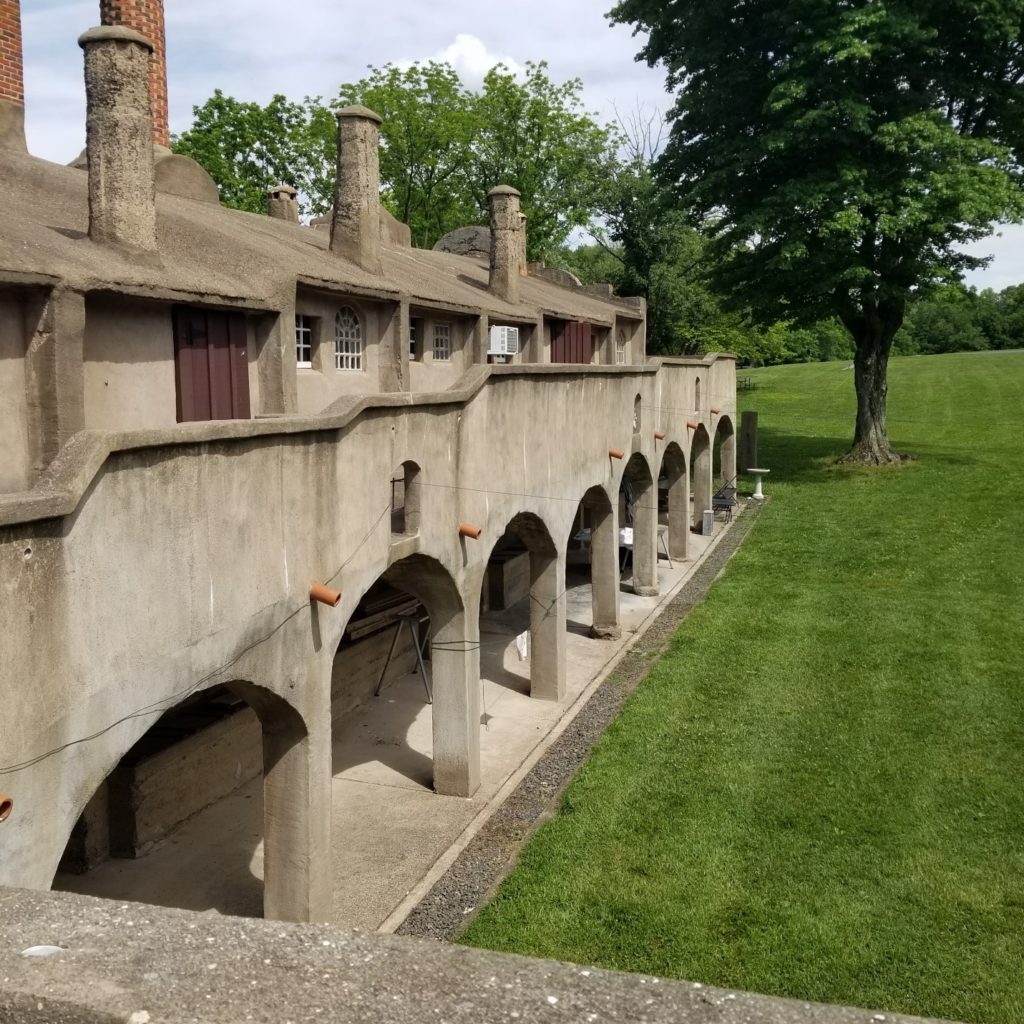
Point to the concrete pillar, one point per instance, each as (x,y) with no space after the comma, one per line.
(12,78)
(547,625)
(296,819)
(524,267)
(678,509)
(54,378)
(645,538)
(702,472)
(728,456)
(275,363)
(604,570)
(147,18)
(748,441)
(393,349)
(283,203)
(455,661)
(506,227)
(481,338)
(118,138)
(355,224)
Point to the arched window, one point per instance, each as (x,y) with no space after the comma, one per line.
(348,340)
(636,414)
(620,348)
(696,395)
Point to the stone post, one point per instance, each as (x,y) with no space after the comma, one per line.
(283,204)
(12,79)
(748,441)
(524,267)
(645,537)
(355,225)
(506,228)
(118,138)
(604,570)
(547,625)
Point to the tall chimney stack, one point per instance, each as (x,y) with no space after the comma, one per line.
(506,232)
(147,18)
(12,78)
(118,137)
(355,225)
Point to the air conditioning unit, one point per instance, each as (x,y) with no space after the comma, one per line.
(503,341)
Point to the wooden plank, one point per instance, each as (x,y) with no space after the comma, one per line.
(238,333)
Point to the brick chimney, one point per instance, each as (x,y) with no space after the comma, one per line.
(118,137)
(506,239)
(12,79)
(355,225)
(147,18)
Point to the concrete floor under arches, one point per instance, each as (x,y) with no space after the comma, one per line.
(389,829)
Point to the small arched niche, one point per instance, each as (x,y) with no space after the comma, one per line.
(405,499)
(637,414)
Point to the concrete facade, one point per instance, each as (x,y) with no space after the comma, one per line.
(150,563)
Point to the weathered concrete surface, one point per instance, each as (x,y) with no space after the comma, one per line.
(506,232)
(355,229)
(474,240)
(135,965)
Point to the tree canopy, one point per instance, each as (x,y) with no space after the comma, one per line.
(839,155)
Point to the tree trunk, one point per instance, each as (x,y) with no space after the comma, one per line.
(871,438)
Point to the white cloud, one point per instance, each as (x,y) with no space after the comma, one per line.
(472,60)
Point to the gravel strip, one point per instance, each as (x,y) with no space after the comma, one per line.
(474,877)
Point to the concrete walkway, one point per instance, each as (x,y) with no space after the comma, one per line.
(392,835)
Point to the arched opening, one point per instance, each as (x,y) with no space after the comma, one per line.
(697,396)
(637,415)
(725,454)
(592,562)
(405,499)
(638,512)
(674,485)
(216,807)
(700,475)
(523,598)
(406,643)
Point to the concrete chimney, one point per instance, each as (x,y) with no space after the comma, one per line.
(147,18)
(355,226)
(283,203)
(506,233)
(12,78)
(118,137)
(524,267)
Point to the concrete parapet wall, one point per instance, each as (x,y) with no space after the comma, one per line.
(203,968)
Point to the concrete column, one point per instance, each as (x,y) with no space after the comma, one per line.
(393,349)
(54,378)
(547,625)
(702,471)
(355,224)
(118,138)
(275,363)
(524,267)
(455,661)
(506,227)
(296,819)
(748,441)
(645,538)
(678,511)
(481,339)
(12,79)
(283,203)
(729,457)
(604,571)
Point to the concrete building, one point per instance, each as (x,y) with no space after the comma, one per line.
(207,412)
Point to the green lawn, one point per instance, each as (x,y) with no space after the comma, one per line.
(819,791)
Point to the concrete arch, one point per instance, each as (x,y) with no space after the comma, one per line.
(674,472)
(725,450)
(640,501)
(455,716)
(603,522)
(296,801)
(700,471)
(547,604)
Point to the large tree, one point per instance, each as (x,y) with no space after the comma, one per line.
(841,153)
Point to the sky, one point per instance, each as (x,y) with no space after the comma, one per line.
(252,49)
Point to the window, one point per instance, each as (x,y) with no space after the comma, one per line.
(696,394)
(442,342)
(620,349)
(304,342)
(348,340)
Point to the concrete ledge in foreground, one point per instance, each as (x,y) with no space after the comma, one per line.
(137,964)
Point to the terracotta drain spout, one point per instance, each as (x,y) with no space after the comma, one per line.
(325,595)
(616,453)
(659,436)
(6,806)
(470,531)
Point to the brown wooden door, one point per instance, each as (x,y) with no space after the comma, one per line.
(211,363)
(571,342)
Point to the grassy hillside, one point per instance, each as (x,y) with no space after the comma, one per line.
(819,791)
